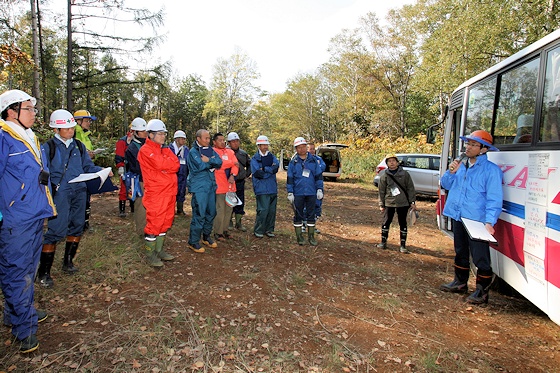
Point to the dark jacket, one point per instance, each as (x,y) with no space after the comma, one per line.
(390,195)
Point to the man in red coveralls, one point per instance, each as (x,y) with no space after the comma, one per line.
(159,170)
(225,179)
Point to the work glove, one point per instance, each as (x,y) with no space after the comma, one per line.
(121,170)
(291,197)
(319,194)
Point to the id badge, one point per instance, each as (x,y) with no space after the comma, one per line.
(395,192)
(182,161)
(225,157)
(305,172)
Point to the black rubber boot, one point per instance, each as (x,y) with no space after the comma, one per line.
(122,205)
(44,273)
(459,283)
(480,295)
(403,248)
(180,210)
(384,236)
(72,243)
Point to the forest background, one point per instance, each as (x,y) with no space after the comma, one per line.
(385,82)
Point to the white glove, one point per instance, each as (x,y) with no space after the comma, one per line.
(291,197)
(319,194)
(121,170)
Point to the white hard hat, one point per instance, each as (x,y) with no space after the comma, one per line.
(180,134)
(138,124)
(62,119)
(15,95)
(299,141)
(262,140)
(156,125)
(232,136)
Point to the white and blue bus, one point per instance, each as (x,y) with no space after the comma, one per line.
(518,102)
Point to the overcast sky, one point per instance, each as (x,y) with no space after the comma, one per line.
(283,37)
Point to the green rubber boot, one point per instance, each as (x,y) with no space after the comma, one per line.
(151,255)
(161,253)
(299,235)
(238,224)
(311,235)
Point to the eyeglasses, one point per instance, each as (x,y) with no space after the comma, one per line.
(161,133)
(473,144)
(32,109)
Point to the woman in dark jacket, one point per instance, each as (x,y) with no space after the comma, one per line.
(396,193)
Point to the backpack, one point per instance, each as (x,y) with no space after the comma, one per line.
(52,148)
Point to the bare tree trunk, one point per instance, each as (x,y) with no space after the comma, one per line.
(36,91)
(69,101)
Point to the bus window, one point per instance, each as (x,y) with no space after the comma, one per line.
(481,106)
(550,125)
(516,104)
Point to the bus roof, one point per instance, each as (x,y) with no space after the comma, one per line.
(522,53)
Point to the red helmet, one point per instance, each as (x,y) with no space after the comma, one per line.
(483,137)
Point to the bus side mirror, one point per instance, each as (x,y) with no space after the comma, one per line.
(431,136)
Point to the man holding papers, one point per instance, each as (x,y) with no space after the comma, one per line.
(69,159)
(474,192)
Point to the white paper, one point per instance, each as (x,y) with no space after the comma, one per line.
(478,231)
(98,150)
(103,174)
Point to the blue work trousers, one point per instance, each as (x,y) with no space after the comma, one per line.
(304,209)
(266,213)
(203,213)
(71,207)
(479,250)
(20,249)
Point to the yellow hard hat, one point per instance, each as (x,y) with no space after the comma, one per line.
(84,114)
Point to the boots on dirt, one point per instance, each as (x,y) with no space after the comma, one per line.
(122,206)
(72,243)
(44,273)
(311,235)
(299,234)
(238,224)
(459,283)
(150,251)
(161,253)
(403,248)
(384,236)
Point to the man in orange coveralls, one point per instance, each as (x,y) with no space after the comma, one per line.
(159,170)
(225,179)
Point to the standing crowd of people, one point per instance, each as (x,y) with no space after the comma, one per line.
(36,183)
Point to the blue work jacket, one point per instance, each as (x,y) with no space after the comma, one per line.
(22,197)
(298,183)
(474,192)
(264,178)
(201,177)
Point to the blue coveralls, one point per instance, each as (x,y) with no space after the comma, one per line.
(265,187)
(70,198)
(24,204)
(202,185)
(304,178)
(182,154)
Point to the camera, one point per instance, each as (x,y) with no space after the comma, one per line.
(44,177)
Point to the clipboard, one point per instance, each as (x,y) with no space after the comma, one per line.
(477,231)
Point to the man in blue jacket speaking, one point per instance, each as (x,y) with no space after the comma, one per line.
(475,192)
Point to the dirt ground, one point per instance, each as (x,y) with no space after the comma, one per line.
(270,305)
